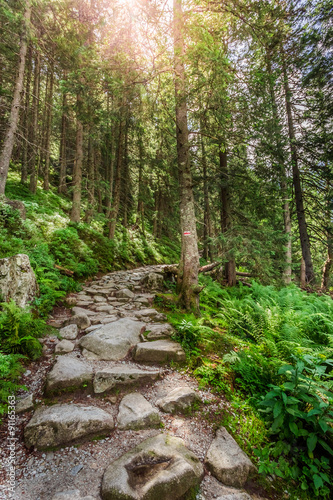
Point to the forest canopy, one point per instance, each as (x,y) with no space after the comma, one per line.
(207,123)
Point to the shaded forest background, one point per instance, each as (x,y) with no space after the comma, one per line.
(96,122)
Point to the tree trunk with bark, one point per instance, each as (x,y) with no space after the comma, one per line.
(9,140)
(189,266)
(208,246)
(34,130)
(48,129)
(24,166)
(62,188)
(230,266)
(117,183)
(303,231)
(77,170)
(284,184)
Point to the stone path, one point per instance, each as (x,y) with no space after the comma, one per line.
(114,421)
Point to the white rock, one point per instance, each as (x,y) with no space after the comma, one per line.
(68,373)
(135,413)
(227,461)
(178,399)
(64,424)
(69,332)
(64,347)
(122,375)
(113,340)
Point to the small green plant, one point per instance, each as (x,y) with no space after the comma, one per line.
(300,413)
(19,331)
(10,371)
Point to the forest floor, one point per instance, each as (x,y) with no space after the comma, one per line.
(43,474)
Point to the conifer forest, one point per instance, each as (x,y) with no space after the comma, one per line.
(190,141)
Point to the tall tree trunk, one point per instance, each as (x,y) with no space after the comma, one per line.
(126,179)
(329,236)
(303,231)
(77,170)
(230,266)
(140,216)
(117,183)
(284,184)
(48,130)
(208,247)
(189,265)
(90,178)
(24,167)
(63,146)
(8,143)
(34,126)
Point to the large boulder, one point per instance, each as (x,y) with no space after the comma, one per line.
(68,374)
(159,351)
(17,280)
(135,413)
(227,461)
(118,376)
(160,467)
(113,341)
(64,424)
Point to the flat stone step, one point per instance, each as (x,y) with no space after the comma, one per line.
(136,413)
(178,399)
(113,341)
(159,351)
(227,461)
(119,376)
(68,374)
(161,467)
(65,424)
(158,331)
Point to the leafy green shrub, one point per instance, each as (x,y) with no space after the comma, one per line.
(71,252)
(301,416)
(10,370)
(19,331)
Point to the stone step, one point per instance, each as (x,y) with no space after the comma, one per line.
(124,375)
(68,374)
(113,341)
(136,413)
(159,351)
(178,399)
(65,424)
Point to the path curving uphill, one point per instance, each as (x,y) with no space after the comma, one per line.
(113,415)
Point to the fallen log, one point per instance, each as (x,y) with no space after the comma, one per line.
(63,270)
(209,267)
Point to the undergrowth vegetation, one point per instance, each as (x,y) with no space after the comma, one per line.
(269,352)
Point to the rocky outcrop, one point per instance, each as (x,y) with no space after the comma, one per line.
(227,461)
(160,467)
(17,280)
(64,424)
